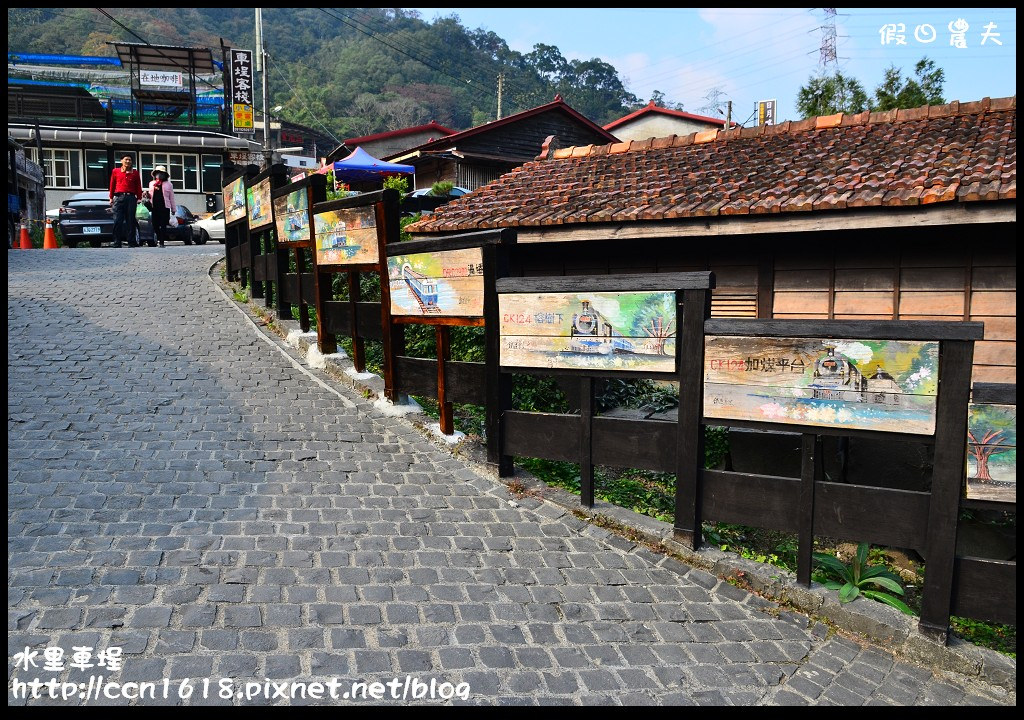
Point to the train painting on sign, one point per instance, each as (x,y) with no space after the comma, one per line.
(631,331)
(447,283)
(346,237)
(291,213)
(257,200)
(882,385)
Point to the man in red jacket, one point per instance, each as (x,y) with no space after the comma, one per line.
(125,193)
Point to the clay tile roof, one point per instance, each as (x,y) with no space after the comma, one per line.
(958,152)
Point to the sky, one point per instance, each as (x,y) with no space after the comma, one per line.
(753,54)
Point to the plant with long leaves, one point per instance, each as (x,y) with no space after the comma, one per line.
(859,578)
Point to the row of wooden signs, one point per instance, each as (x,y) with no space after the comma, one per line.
(878,385)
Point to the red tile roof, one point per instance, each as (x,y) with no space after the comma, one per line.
(651,108)
(400,132)
(558,104)
(960,152)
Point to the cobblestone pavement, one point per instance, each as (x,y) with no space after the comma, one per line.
(178,489)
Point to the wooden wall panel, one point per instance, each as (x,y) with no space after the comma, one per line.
(994,374)
(806,303)
(932,278)
(861,280)
(741,277)
(998,328)
(1003,303)
(864,303)
(950,304)
(988,352)
(786,280)
(994,278)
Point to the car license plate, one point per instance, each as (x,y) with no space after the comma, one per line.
(91,230)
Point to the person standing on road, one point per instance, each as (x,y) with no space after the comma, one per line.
(161,194)
(125,193)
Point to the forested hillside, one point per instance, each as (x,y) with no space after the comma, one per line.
(355,70)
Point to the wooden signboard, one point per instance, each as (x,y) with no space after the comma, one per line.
(440,284)
(291,213)
(234,200)
(631,331)
(257,197)
(346,236)
(881,385)
(992,452)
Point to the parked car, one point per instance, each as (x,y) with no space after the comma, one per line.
(421,201)
(86,217)
(211,228)
(184,232)
(454,192)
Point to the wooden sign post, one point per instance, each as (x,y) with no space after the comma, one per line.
(907,380)
(349,236)
(602,326)
(236,230)
(257,251)
(442,282)
(293,218)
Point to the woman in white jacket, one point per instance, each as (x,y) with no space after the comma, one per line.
(161,194)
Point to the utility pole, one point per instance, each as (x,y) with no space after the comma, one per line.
(501,86)
(261,66)
(728,114)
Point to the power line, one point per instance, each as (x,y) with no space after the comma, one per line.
(299,98)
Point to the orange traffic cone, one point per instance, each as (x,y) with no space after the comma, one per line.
(49,239)
(26,241)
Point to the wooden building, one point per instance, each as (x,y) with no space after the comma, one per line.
(652,121)
(391,142)
(907,214)
(484,153)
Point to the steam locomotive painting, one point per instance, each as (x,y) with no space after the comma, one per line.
(878,385)
(234,201)
(346,237)
(618,331)
(591,332)
(443,283)
(836,378)
(292,214)
(423,288)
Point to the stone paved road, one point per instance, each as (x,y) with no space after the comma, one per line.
(178,489)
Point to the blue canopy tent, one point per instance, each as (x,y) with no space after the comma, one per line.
(361,165)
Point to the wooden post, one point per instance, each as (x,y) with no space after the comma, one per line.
(300,268)
(444,354)
(690,439)
(231,258)
(499,385)
(810,473)
(323,282)
(358,345)
(586,430)
(253,244)
(955,359)
(282,262)
(272,287)
(393,334)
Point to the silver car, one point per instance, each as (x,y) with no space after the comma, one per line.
(212,228)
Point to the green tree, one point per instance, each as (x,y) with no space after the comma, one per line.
(895,91)
(831,94)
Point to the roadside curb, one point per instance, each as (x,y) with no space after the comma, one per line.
(765,587)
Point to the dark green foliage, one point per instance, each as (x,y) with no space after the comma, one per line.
(831,94)
(352,71)
(897,92)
